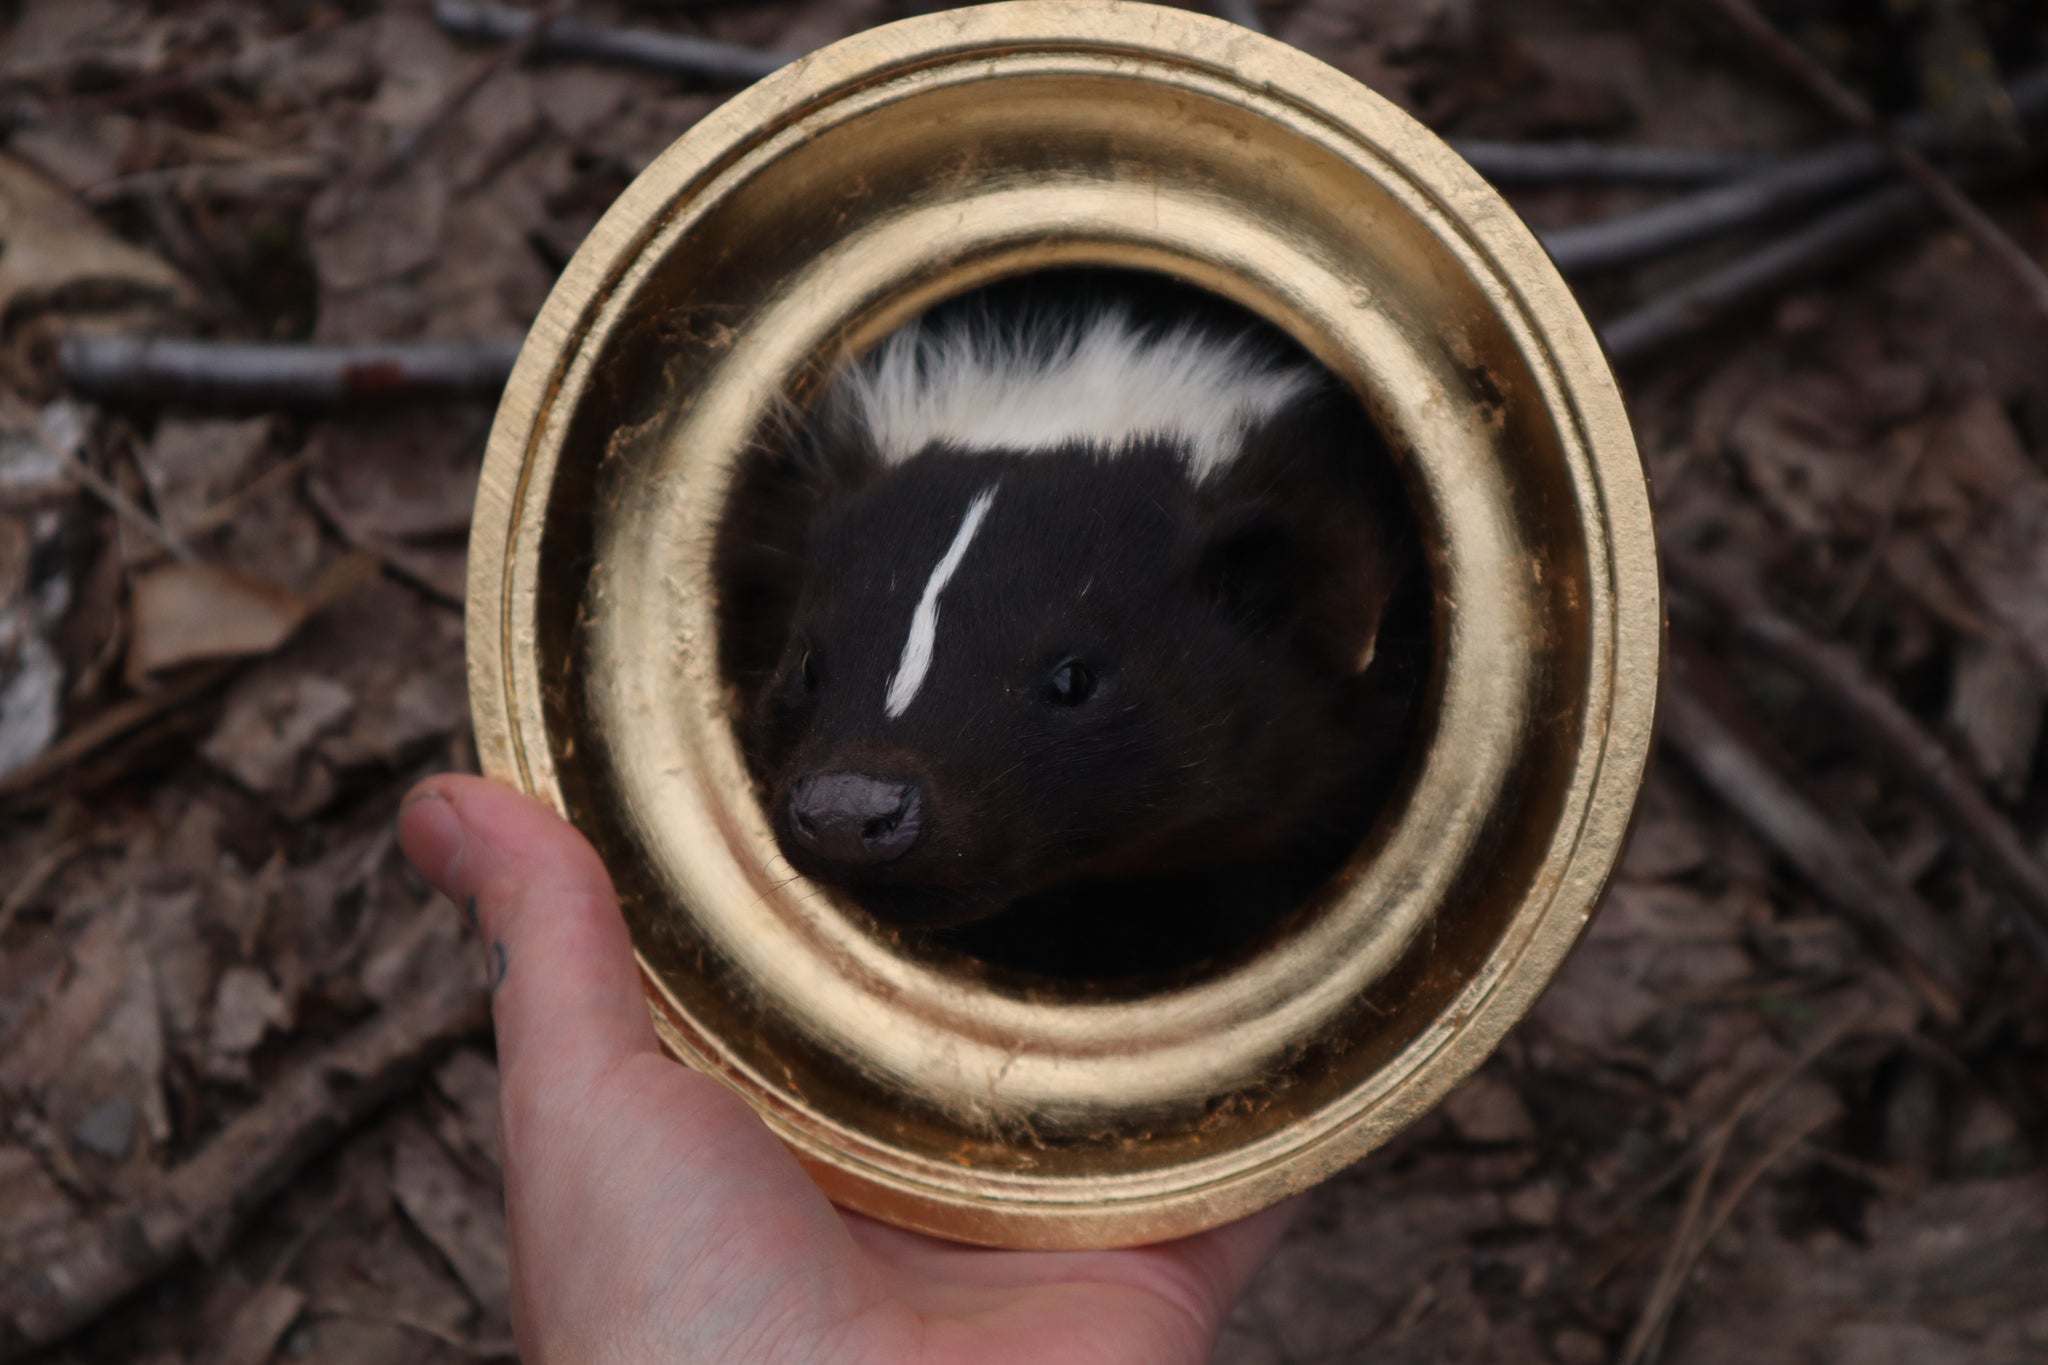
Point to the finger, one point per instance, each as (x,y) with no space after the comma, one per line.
(1225,1259)
(565,988)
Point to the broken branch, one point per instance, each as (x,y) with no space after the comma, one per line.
(258,375)
(1516,164)
(329,1093)
(408,144)
(1706,299)
(1880,726)
(1841,859)
(1775,190)
(1853,110)
(696,59)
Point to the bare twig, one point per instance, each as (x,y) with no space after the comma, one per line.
(1853,110)
(1243,13)
(1517,164)
(257,178)
(254,375)
(30,883)
(1771,192)
(1670,1276)
(1840,1024)
(696,59)
(106,727)
(1696,1232)
(1841,859)
(408,144)
(1700,303)
(300,1115)
(1883,728)
(239,501)
(127,510)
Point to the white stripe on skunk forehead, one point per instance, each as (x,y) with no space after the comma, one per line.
(908,678)
(1052,381)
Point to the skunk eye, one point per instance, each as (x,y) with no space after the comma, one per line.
(807,671)
(1070,685)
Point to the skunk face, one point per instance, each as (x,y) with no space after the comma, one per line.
(1053,603)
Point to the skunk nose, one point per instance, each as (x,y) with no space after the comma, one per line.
(853,820)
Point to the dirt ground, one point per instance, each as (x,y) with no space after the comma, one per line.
(1785,1103)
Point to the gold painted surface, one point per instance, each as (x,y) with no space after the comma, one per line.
(808,217)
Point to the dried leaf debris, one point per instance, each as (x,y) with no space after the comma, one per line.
(1786,1100)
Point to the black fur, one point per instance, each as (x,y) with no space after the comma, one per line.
(1228,751)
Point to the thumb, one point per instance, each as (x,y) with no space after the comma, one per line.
(565,989)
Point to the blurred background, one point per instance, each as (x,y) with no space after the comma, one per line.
(1786,1102)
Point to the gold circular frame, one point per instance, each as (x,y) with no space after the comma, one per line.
(805,219)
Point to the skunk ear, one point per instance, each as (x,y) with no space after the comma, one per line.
(781,490)
(1251,567)
(1302,534)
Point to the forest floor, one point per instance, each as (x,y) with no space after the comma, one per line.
(1786,1102)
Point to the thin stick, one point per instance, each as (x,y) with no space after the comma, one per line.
(1840,859)
(409,143)
(106,727)
(1670,1275)
(1705,300)
(128,510)
(30,884)
(1853,110)
(1772,191)
(1535,164)
(1841,1024)
(234,504)
(1880,726)
(714,64)
(257,375)
(253,179)
(325,1096)
(1696,1234)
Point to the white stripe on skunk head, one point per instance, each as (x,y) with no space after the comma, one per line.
(1055,381)
(924,618)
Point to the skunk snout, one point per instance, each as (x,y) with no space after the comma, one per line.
(855,821)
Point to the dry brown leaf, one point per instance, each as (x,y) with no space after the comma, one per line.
(391,478)
(111,1089)
(469,1082)
(31,688)
(2007,563)
(188,612)
(258,1326)
(1819,484)
(1949,1275)
(79,147)
(246,1007)
(194,463)
(30,1200)
(1995,708)
(98,965)
(1487,1110)
(57,255)
(396,232)
(183,963)
(267,729)
(463,1220)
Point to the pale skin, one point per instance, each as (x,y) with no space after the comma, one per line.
(654,1218)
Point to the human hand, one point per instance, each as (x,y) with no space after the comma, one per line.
(654,1217)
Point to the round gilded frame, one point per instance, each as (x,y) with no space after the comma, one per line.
(805,219)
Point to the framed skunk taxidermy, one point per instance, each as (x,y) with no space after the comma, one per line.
(1093,588)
